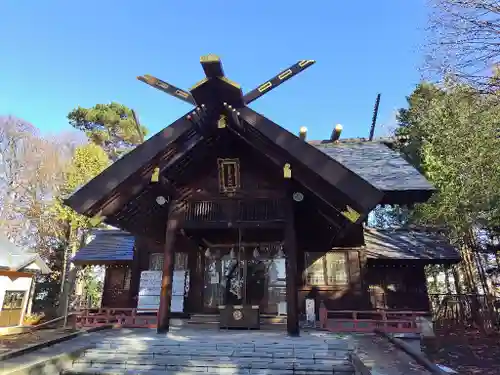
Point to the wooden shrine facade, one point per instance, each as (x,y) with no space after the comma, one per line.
(343,278)
(255,214)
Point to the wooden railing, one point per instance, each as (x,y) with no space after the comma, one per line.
(127,318)
(368,321)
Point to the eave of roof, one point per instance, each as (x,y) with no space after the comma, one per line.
(409,245)
(382,166)
(85,197)
(14,258)
(107,247)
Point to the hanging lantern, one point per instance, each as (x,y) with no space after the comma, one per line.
(208,254)
(232,254)
(256,253)
(281,254)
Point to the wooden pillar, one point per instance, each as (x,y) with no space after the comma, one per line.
(292,307)
(168,270)
(135,276)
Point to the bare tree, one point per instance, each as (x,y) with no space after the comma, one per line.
(31,171)
(464,41)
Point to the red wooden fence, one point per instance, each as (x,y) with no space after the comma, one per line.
(349,320)
(384,320)
(127,318)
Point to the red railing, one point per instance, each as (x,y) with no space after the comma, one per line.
(384,320)
(127,318)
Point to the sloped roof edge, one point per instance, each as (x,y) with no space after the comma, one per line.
(14,258)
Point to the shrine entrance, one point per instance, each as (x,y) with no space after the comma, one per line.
(245,271)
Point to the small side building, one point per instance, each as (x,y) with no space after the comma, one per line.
(18,268)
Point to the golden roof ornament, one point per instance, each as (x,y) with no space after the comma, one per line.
(287,171)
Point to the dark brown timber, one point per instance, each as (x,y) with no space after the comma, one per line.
(168,268)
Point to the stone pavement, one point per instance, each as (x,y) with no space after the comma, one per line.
(196,351)
(210,351)
(382,357)
(23,340)
(25,361)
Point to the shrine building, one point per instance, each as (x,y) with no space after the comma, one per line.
(225,210)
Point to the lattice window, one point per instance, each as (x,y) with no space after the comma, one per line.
(119,278)
(328,269)
(156,262)
(13,300)
(315,270)
(336,268)
(127,278)
(180,261)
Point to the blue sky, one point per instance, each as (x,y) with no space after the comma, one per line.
(56,55)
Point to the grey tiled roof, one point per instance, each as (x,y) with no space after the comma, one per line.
(15,258)
(107,246)
(116,245)
(376,163)
(404,244)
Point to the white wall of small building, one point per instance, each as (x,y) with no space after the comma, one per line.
(18,284)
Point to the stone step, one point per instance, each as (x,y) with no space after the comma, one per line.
(126,346)
(216,361)
(319,357)
(109,370)
(212,344)
(217,366)
(213,319)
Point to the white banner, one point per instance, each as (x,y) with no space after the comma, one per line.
(150,290)
(282,308)
(310,311)
(177,304)
(150,279)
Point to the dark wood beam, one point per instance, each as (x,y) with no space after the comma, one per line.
(277,80)
(133,187)
(214,92)
(361,195)
(212,66)
(102,186)
(167,88)
(291,253)
(168,270)
(308,181)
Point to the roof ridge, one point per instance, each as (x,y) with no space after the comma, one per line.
(388,139)
(407,228)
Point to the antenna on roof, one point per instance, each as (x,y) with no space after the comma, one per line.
(374,119)
(138,126)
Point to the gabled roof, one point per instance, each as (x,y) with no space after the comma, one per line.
(13,258)
(107,246)
(405,244)
(133,171)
